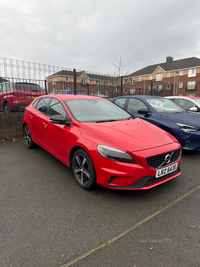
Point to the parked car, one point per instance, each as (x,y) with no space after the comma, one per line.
(189,103)
(15,96)
(101,142)
(164,113)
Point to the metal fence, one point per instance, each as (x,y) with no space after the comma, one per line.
(22,81)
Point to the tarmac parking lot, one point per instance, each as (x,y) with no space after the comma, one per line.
(48,220)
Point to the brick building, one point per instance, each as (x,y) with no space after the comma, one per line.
(179,77)
(173,77)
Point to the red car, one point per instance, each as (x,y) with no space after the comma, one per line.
(102,143)
(15,96)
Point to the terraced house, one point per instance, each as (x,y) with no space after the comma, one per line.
(173,77)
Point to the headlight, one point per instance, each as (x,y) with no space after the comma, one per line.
(187,128)
(114,154)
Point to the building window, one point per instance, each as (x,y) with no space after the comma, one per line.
(168,74)
(192,73)
(125,91)
(84,81)
(180,85)
(53,81)
(190,94)
(139,79)
(91,91)
(125,81)
(132,81)
(181,73)
(159,88)
(159,77)
(98,82)
(191,86)
(105,83)
(132,91)
(150,77)
(91,82)
(67,79)
(84,91)
(168,86)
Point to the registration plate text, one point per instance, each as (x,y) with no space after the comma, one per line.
(167,170)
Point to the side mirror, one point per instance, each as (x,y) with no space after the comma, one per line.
(193,109)
(59,119)
(143,111)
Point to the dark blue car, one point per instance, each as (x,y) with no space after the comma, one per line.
(164,113)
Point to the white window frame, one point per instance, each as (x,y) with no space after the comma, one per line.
(150,77)
(53,81)
(132,91)
(180,85)
(191,85)
(132,81)
(84,81)
(168,74)
(139,79)
(181,73)
(168,86)
(159,77)
(192,73)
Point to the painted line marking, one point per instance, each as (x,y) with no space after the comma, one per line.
(130,229)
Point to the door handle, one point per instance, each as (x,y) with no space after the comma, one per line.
(45,124)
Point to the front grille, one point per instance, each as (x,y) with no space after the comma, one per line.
(163,160)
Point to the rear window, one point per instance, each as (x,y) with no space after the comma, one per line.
(31,87)
(27,87)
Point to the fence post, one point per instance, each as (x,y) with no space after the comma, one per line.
(151,87)
(45,86)
(75,81)
(121,85)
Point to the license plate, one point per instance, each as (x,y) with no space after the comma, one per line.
(167,170)
(31,97)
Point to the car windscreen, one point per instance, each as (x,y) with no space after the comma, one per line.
(96,110)
(163,105)
(32,87)
(197,100)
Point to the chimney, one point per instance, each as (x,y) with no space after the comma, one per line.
(169,59)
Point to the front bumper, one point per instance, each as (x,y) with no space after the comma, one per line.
(127,176)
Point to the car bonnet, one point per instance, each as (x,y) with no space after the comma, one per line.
(131,135)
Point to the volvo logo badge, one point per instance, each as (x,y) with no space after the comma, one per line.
(167,159)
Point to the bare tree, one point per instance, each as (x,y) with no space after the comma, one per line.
(119,69)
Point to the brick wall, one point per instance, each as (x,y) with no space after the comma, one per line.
(11,125)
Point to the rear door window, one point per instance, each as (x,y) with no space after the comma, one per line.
(120,102)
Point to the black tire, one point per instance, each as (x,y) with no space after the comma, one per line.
(6,107)
(83,169)
(28,138)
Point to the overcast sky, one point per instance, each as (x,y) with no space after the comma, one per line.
(92,35)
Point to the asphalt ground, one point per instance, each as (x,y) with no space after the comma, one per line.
(48,220)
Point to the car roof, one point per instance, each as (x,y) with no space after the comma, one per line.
(141,96)
(182,96)
(72,96)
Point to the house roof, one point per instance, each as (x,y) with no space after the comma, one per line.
(168,66)
(93,76)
